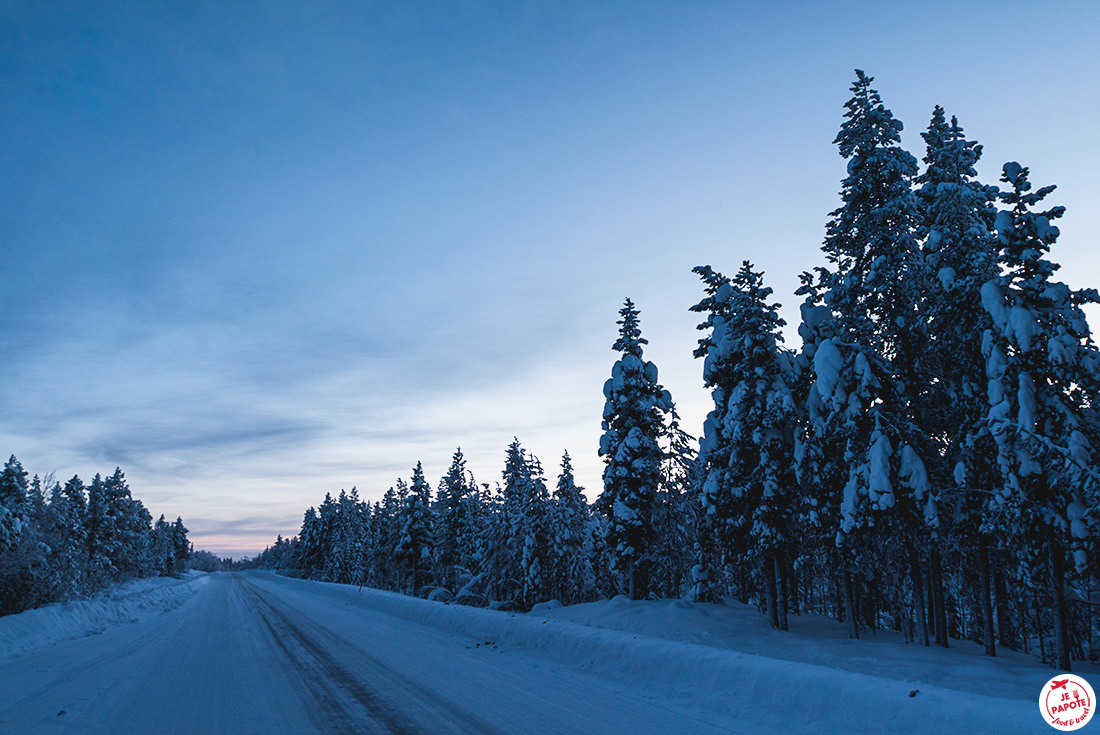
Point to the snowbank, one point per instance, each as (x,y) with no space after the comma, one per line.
(774,689)
(130,603)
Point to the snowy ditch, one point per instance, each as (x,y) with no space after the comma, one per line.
(134,602)
(777,692)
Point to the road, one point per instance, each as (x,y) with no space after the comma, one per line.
(256,653)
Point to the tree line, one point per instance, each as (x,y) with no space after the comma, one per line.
(63,542)
(924,461)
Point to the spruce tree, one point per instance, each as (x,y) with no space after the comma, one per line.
(860,412)
(633,421)
(308,553)
(1043,389)
(473,537)
(535,560)
(388,525)
(347,547)
(13,502)
(747,446)
(68,539)
(414,548)
(101,536)
(451,508)
(571,566)
(674,513)
(509,529)
(181,547)
(959,256)
(162,547)
(131,527)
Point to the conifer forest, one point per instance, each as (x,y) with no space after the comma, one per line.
(924,460)
(66,542)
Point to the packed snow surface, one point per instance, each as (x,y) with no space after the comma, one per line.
(257,653)
(130,603)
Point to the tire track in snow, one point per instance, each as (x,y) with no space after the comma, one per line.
(317,643)
(325,678)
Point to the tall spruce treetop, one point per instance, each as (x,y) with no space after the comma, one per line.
(960,256)
(633,420)
(871,238)
(630,339)
(861,404)
(956,209)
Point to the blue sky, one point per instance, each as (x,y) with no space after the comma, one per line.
(253,252)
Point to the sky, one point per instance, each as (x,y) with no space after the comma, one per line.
(255,252)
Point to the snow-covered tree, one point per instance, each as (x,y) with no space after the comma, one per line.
(516,557)
(24,571)
(181,547)
(452,526)
(1043,371)
(414,547)
(309,554)
(129,528)
(507,527)
(633,422)
(571,576)
(534,561)
(68,546)
(67,536)
(747,444)
(868,333)
(13,502)
(164,559)
(675,513)
(101,535)
(346,562)
(959,255)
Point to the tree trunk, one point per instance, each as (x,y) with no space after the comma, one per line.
(930,615)
(782,582)
(1058,592)
(742,585)
(794,601)
(986,600)
(921,633)
(1000,599)
(769,589)
(938,602)
(849,600)
(870,609)
(1039,628)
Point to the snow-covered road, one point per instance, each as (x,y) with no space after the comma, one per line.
(256,653)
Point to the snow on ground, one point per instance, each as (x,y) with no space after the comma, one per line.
(812,678)
(823,641)
(133,602)
(646,660)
